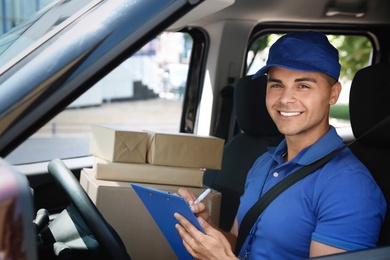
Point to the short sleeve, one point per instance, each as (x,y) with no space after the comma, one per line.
(350,211)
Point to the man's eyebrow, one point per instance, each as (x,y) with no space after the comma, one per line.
(306,79)
(274,80)
(296,80)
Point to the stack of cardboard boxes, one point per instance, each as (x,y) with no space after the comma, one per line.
(158,160)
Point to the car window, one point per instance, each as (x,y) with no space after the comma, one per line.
(15,12)
(28,33)
(355,52)
(144,93)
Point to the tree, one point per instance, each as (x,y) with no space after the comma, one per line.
(355,53)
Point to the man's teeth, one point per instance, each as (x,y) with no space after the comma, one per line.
(289,113)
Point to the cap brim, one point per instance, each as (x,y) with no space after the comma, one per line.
(293,65)
(262,71)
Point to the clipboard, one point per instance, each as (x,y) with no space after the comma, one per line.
(161,206)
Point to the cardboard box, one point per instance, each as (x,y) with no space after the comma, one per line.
(118,145)
(147,173)
(185,150)
(122,208)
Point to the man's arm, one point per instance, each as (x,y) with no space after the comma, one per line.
(319,249)
(316,248)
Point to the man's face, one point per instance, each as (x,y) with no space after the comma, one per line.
(299,102)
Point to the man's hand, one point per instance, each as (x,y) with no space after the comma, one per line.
(212,245)
(199,209)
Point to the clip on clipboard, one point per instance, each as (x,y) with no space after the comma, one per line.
(161,206)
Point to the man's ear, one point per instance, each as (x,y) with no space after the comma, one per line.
(335,93)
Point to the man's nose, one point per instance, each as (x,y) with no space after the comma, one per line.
(287,95)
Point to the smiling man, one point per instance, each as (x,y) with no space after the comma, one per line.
(299,104)
(337,208)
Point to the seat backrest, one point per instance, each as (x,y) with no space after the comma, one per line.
(369,105)
(258,132)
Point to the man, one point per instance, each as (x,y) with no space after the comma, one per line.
(337,208)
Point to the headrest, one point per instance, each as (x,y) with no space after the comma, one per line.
(249,106)
(369,103)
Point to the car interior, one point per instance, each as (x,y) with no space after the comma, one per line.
(182,67)
(244,148)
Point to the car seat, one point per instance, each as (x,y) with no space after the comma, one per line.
(369,105)
(257,131)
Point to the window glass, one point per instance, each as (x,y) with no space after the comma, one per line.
(355,53)
(144,93)
(30,33)
(14,12)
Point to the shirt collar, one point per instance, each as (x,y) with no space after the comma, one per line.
(327,143)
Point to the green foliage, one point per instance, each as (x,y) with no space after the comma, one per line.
(354,51)
(339,111)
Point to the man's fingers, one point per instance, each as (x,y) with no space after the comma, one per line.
(189,248)
(205,225)
(198,207)
(186,231)
(185,223)
(187,195)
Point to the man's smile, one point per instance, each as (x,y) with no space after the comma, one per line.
(283,113)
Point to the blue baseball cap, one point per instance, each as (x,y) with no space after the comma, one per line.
(303,51)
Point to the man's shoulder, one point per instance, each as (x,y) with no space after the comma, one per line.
(346,161)
(347,170)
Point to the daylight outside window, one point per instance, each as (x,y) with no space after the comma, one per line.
(144,93)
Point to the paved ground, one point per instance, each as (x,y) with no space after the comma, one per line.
(142,114)
(68,134)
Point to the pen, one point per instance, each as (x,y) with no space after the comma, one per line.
(202,196)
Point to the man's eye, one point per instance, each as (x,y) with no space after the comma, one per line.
(303,86)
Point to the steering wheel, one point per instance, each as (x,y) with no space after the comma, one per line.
(106,236)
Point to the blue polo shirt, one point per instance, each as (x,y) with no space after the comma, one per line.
(339,205)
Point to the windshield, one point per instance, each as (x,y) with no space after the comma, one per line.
(34,31)
(80,42)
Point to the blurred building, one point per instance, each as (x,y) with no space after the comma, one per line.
(15,11)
